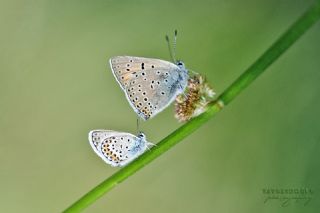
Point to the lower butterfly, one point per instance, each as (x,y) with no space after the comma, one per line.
(117,148)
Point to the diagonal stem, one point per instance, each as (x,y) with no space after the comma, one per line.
(310,17)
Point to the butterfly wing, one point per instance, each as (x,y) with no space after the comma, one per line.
(150,85)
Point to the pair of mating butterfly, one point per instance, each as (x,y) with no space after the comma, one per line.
(150,85)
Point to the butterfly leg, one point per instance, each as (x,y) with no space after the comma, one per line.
(182,91)
(149,144)
(138,124)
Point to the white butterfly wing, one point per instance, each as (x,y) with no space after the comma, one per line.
(150,85)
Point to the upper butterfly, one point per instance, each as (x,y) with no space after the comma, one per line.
(150,85)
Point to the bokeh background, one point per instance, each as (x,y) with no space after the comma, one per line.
(56,86)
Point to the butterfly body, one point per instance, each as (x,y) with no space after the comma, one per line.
(150,85)
(117,148)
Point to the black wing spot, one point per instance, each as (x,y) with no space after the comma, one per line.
(152,66)
(142,66)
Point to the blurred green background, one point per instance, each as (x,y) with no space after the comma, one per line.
(56,86)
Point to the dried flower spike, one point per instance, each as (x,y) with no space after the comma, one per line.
(195,100)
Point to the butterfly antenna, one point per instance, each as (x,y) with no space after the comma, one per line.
(174,44)
(138,125)
(170,50)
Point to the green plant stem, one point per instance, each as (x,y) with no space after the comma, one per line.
(310,17)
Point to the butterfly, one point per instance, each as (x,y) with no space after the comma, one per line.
(150,85)
(117,148)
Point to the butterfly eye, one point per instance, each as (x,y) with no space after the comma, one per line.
(141,135)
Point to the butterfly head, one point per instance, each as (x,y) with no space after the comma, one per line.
(180,64)
(141,135)
(140,143)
